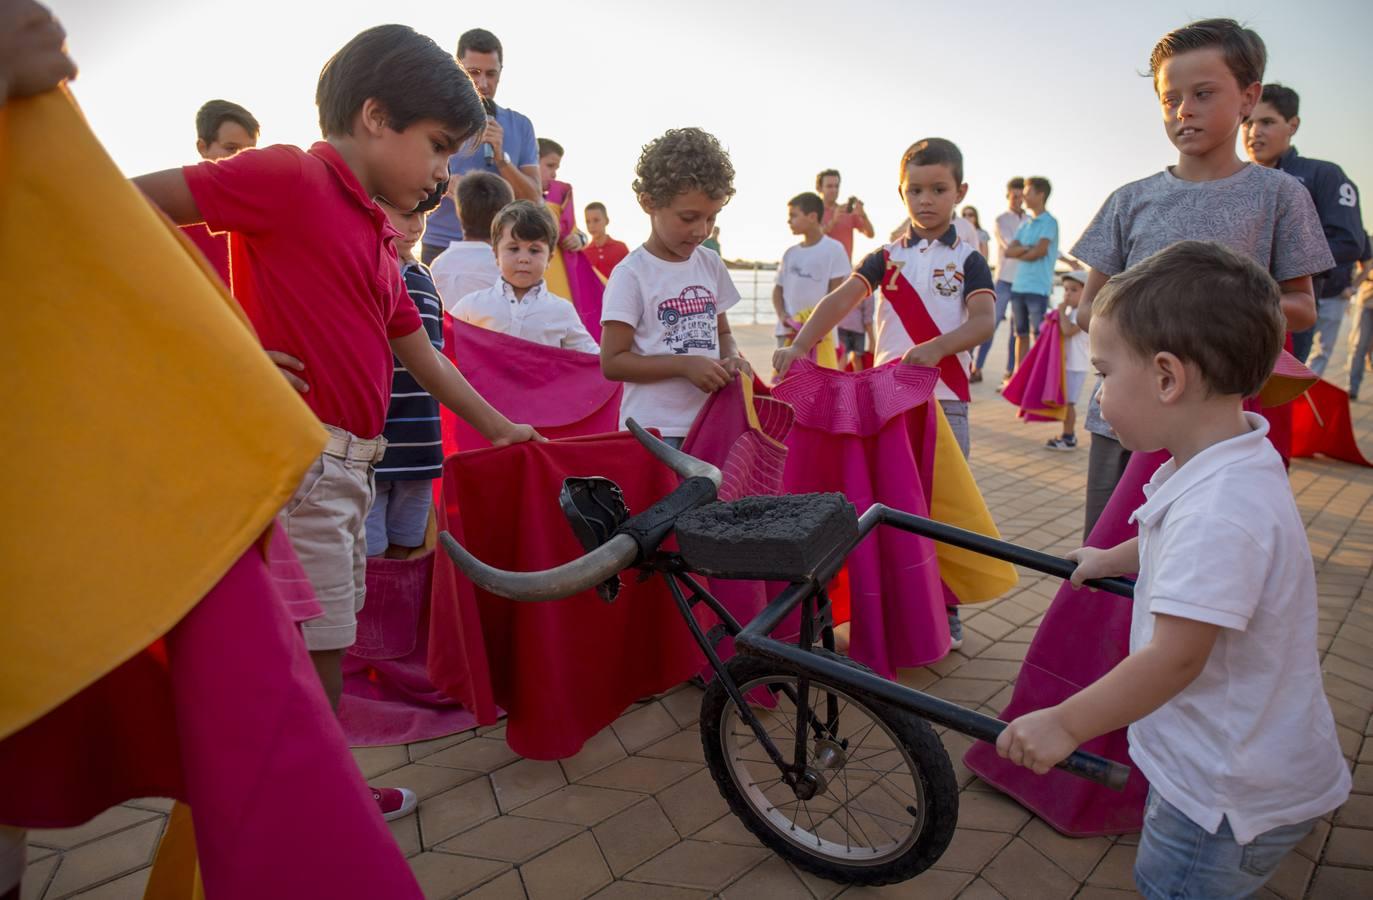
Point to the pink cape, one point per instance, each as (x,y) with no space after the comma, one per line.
(748,450)
(387,695)
(1084,635)
(225,713)
(560,392)
(564,669)
(871,436)
(583,281)
(1037,386)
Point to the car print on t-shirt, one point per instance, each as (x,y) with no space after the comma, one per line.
(689,320)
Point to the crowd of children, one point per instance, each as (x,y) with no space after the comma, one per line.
(1195,274)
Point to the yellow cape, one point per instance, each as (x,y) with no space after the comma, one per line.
(151,439)
(955,500)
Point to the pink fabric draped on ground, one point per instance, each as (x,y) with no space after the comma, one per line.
(225,713)
(871,436)
(387,695)
(1037,385)
(1083,635)
(560,392)
(583,280)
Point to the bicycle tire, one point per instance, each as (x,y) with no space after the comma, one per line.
(927,759)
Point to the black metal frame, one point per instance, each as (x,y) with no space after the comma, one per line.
(755,640)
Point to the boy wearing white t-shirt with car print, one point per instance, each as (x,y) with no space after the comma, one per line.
(664,329)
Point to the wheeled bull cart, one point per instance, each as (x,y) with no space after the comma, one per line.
(833,767)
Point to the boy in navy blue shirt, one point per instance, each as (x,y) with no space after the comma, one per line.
(1268,134)
(399,517)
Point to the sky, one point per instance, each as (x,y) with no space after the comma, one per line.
(790,88)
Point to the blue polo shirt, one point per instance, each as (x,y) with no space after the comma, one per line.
(1036,276)
(520,146)
(1337,204)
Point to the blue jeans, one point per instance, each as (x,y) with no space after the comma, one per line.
(1329,318)
(1003,301)
(1178,859)
(1360,344)
(1028,312)
(1301,343)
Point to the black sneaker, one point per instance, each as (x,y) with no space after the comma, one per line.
(1063,443)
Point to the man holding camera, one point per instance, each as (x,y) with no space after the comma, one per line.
(841,222)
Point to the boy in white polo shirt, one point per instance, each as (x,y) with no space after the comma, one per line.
(523,236)
(1222,688)
(937,295)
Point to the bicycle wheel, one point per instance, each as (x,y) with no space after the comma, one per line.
(879,800)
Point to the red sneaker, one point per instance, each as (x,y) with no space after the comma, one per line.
(394,802)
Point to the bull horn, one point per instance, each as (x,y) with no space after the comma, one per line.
(683,464)
(582,573)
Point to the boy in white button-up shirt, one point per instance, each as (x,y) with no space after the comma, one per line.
(1222,688)
(520,304)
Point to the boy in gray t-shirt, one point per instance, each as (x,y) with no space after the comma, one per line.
(1211,194)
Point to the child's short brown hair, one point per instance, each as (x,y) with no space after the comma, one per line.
(933,152)
(1205,304)
(683,159)
(1245,54)
(479,196)
(527,221)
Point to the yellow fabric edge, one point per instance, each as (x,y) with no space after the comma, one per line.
(956,500)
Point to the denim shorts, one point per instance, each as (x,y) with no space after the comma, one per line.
(1027,310)
(852,341)
(399,514)
(1179,860)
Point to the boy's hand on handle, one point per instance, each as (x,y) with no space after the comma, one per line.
(927,354)
(572,243)
(33,54)
(783,358)
(1038,741)
(288,365)
(516,434)
(1092,562)
(707,374)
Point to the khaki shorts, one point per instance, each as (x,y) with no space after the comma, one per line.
(325,521)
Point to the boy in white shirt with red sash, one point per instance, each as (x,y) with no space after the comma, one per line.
(937,297)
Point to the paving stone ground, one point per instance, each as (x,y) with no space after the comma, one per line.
(636,815)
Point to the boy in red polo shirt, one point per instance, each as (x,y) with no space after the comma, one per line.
(318,277)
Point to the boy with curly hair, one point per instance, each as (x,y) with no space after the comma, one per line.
(665,330)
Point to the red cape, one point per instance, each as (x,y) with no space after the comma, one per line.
(225,713)
(1321,424)
(565,669)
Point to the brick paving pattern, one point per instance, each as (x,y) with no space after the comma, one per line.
(636,814)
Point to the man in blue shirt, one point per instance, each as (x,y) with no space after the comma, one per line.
(1268,140)
(508,148)
(1035,249)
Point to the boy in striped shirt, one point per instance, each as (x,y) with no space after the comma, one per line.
(399,517)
